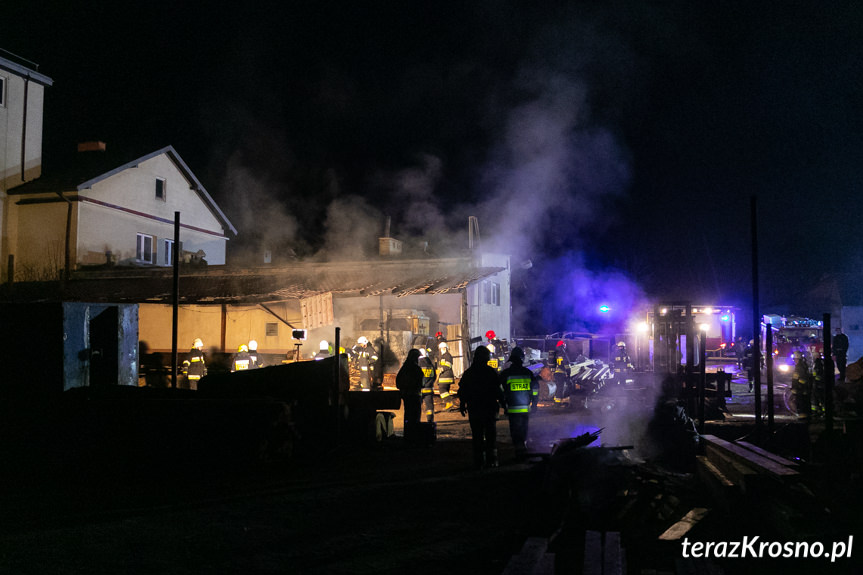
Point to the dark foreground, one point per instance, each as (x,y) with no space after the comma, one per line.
(398,508)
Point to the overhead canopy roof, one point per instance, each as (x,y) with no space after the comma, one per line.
(266,284)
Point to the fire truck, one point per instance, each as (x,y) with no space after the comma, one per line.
(791,334)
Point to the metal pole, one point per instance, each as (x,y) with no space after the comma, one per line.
(768,349)
(828,374)
(337,377)
(175,252)
(702,381)
(756,317)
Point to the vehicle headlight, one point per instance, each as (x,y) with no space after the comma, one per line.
(784,368)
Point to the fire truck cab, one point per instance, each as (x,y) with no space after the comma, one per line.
(791,334)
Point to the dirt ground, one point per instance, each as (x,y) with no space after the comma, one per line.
(384,508)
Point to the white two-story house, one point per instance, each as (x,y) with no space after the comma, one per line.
(101,213)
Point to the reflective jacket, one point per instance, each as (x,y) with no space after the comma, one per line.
(194,365)
(445,373)
(428,369)
(520,388)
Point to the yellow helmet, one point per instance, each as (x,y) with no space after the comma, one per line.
(243,347)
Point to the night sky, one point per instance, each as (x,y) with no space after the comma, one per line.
(616,145)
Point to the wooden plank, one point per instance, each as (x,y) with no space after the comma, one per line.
(683,526)
(750,458)
(764,453)
(592,553)
(612,555)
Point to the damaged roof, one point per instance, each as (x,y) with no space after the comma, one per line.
(260,285)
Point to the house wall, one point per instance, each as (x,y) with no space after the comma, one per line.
(119,207)
(12,123)
(14,136)
(242,323)
(484,315)
(39,232)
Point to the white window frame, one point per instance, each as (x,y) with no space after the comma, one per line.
(164,196)
(141,248)
(168,252)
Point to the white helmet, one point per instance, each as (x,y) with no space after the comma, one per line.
(423,352)
(442,345)
(253,345)
(362,340)
(324,345)
(198,343)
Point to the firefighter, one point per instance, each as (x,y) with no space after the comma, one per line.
(801,386)
(242,360)
(409,383)
(323,350)
(480,397)
(558,386)
(255,360)
(817,399)
(520,395)
(840,352)
(622,362)
(428,368)
(194,365)
(496,347)
(366,358)
(749,362)
(446,377)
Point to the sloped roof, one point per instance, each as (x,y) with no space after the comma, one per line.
(99,166)
(261,285)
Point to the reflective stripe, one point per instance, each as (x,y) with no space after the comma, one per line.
(196,358)
(518,383)
(446,380)
(425,391)
(194,377)
(428,371)
(516,409)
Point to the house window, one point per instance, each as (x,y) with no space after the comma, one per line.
(2,92)
(272,329)
(144,253)
(168,252)
(491,293)
(160,189)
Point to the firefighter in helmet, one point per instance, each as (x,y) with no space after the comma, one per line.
(366,358)
(323,350)
(622,363)
(255,360)
(428,368)
(242,361)
(496,348)
(801,386)
(520,393)
(446,377)
(559,364)
(194,365)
